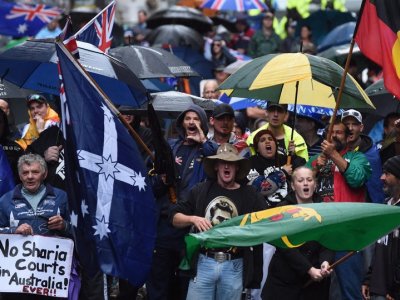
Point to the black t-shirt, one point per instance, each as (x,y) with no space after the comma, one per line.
(210,200)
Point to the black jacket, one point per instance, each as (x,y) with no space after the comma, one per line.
(252,256)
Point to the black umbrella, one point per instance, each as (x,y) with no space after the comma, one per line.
(150,62)
(181,15)
(176,36)
(170,104)
(9,90)
(33,65)
(323,21)
(383,100)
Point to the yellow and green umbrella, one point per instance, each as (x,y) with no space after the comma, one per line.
(274,77)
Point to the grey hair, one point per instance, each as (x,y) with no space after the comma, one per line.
(29,159)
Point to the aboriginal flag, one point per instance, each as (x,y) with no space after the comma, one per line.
(378,36)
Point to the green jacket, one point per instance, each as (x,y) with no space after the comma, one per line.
(301,146)
(261,45)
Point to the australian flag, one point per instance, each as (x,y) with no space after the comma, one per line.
(98,31)
(19,20)
(111,200)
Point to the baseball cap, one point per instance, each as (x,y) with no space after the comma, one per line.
(352,113)
(222,110)
(271,105)
(35,98)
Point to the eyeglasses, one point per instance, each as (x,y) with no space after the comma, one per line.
(217,44)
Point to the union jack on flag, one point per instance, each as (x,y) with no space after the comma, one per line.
(69,39)
(20,20)
(234,5)
(98,31)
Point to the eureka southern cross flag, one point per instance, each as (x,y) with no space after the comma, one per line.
(111,201)
(378,37)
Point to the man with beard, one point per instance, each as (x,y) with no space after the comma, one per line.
(342,175)
(221,273)
(222,122)
(383,278)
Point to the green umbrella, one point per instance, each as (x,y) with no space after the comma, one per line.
(336,226)
(274,78)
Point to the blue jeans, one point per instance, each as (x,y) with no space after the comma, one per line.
(217,281)
(350,275)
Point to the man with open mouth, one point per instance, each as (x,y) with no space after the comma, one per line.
(188,150)
(219,273)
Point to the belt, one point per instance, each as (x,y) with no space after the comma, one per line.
(220,256)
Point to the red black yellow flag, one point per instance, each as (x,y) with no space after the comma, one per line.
(378,36)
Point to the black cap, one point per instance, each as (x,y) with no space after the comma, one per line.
(222,110)
(271,105)
(35,98)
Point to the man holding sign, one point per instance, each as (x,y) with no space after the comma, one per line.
(33,207)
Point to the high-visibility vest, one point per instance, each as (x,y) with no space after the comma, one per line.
(337,4)
(302,7)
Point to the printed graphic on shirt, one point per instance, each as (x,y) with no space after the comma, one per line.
(220,209)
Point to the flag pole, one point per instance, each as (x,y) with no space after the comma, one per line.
(110,105)
(334,265)
(343,80)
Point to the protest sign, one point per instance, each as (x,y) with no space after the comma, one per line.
(35,264)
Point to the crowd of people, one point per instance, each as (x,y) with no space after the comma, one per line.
(227,163)
(224,169)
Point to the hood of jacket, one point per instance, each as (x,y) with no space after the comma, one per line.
(202,115)
(366,143)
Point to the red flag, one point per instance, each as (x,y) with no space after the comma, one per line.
(377,38)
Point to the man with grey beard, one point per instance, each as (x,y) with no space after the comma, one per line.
(342,175)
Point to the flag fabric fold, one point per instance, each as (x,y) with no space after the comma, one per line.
(337,226)
(19,20)
(98,31)
(69,40)
(378,39)
(111,200)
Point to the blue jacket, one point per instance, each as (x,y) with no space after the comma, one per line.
(16,210)
(191,174)
(374,184)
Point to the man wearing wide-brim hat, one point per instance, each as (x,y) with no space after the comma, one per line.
(210,203)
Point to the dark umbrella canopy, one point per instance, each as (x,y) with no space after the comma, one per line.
(181,15)
(338,36)
(9,90)
(323,21)
(150,62)
(176,36)
(170,104)
(33,65)
(383,100)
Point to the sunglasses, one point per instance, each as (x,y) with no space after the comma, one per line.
(36,97)
(351,113)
